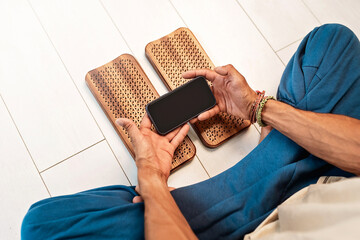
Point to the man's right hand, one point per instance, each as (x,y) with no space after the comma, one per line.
(232,93)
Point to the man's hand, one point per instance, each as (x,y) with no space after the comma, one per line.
(153,156)
(233,94)
(153,153)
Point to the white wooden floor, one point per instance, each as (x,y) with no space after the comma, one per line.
(54,137)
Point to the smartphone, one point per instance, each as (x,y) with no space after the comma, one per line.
(177,107)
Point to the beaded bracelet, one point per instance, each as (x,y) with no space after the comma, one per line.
(260,108)
(259,98)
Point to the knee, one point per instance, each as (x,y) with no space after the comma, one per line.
(335,30)
(329,41)
(334,27)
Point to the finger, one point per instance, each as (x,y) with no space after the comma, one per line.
(194,120)
(130,127)
(137,199)
(207,73)
(225,70)
(145,122)
(210,113)
(172,134)
(180,136)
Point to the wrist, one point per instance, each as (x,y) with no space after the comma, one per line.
(259,96)
(149,173)
(272,109)
(151,180)
(152,186)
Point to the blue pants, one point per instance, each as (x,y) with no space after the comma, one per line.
(323,76)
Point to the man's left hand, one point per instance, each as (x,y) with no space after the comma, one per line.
(153,152)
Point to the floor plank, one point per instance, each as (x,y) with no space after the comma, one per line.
(346,12)
(286,53)
(92,168)
(46,106)
(282,22)
(20,183)
(86,38)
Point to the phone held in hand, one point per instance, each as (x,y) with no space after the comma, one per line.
(179,106)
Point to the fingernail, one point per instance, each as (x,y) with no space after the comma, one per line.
(119,121)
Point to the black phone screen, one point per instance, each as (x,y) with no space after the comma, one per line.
(181,105)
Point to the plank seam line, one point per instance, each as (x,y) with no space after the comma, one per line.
(27,149)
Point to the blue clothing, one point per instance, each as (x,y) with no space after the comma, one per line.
(323,76)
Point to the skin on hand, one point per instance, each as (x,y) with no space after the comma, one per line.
(232,93)
(153,152)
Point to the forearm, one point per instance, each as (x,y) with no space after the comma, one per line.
(334,138)
(163,218)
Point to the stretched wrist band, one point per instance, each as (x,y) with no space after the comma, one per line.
(260,96)
(260,108)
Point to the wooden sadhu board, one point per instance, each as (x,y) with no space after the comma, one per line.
(122,89)
(179,52)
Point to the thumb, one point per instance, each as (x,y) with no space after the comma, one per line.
(130,127)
